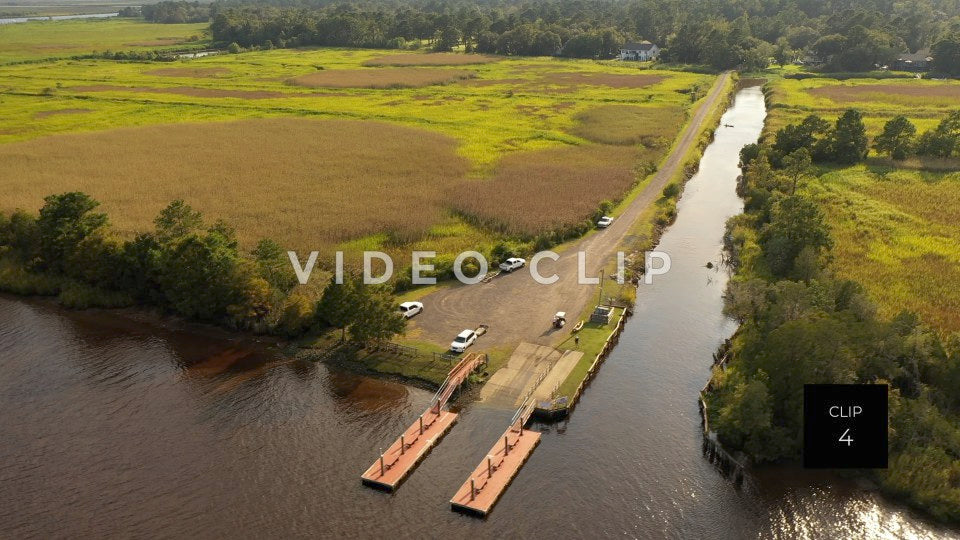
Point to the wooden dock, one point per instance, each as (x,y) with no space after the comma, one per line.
(492,476)
(393,467)
(398,461)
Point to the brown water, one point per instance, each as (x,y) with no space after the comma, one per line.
(114,426)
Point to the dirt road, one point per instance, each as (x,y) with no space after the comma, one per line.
(516,307)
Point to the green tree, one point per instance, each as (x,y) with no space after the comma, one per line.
(65,222)
(377,317)
(746,418)
(197,275)
(21,235)
(848,140)
(446,39)
(545,44)
(796,223)
(176,221)
(797,166)
(339,306)
(896,138)
(252,296)
(942,141)
(946,55)
(274,265)
(140,269)
(783,54)
(793,137)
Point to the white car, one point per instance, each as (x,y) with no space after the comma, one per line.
(512,264)
(409,309)
(604,222)
(464,340)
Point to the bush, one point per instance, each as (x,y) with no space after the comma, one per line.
(80,296)
(671,190)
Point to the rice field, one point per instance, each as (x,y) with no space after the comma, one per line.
(358,149)
(896,225)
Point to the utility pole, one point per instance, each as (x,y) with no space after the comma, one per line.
(600,294)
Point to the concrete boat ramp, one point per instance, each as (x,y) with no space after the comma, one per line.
(532,369)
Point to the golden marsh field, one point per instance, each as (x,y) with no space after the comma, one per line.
(457,150)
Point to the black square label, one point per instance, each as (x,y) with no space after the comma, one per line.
(845,426)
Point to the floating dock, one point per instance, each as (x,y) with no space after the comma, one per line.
(492,476)
(406,452)
(398,461)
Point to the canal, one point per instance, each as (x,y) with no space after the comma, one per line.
(127,425)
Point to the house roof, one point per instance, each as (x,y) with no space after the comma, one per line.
(923,55)
(638,46)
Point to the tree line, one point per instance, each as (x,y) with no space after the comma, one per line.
(845,142)
(844,35)
(185,267)
(801,324)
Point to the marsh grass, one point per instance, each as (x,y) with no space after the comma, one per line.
(189,91)
(483,129)
(430,59)
(653,126)
(539,192)
(898,233)
(896,225)
(43,39)
(612,80)
(189,72)
(896,94)
(305,183)
(400,77)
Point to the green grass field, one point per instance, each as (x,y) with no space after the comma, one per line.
(37,40)
(896,225)
(532,119)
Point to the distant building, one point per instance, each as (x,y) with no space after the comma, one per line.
(810,59)
(918,61)
(641,51)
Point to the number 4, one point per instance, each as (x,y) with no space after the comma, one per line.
(846,438)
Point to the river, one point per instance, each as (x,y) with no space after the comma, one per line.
(117,425)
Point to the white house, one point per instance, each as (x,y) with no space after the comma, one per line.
(642,51)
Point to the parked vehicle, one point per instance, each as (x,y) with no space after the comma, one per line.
(604,222)
(409,309)
(559,319)
(464,339)
(512,264)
